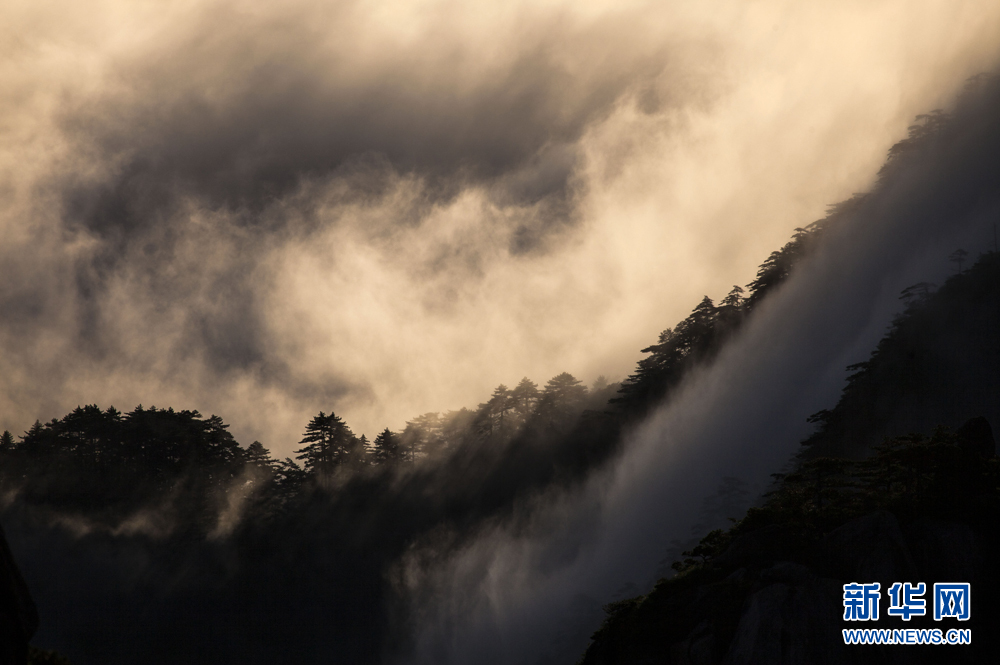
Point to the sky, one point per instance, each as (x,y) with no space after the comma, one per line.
(382,209)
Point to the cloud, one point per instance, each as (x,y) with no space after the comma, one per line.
(383,209)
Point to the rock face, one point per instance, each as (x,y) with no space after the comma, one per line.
(18,616)
(784,623)
(771,590)
(870,548)
(747,606)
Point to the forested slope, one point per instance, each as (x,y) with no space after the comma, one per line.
(900,482)
(153,536)
(917,507)
(135,527)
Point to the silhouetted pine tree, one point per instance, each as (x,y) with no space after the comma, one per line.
(257,455)
(779,264)
(330,445)
(493,419)
(422,436)
(693,339)
(524,399)
(387,448)
(561,400)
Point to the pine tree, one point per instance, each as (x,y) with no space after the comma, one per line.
(493,417)
(387,448)
(458,427)
(778,266)
(330,444)
(422,436)
(731,310)
(562,398)
(524,398)
(258,456)
(677,349)
(34,441)
(217,445)
(958,258)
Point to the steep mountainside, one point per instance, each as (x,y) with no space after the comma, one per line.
(918,509)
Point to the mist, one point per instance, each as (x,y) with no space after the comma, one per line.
(386,209)
(530,591)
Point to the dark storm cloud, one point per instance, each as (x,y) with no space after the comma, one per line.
(235,121)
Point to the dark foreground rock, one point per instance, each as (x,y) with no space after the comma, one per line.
(18,617)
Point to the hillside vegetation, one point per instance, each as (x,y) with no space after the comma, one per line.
(137,527)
